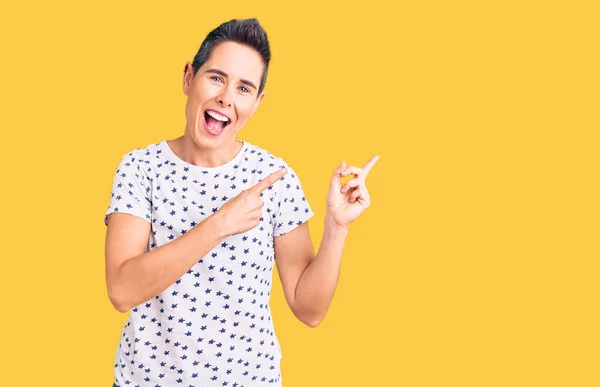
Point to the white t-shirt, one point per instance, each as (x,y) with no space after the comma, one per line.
(213,326)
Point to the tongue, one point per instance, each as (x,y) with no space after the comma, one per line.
(214,124)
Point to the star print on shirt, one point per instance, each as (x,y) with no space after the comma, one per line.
(222,300)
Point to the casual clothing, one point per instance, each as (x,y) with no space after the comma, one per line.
(213,326)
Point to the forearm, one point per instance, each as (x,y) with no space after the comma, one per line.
(141,278)
(317,284)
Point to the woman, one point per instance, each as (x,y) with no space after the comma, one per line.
(195,225)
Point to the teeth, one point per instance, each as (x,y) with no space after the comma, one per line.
(217,116)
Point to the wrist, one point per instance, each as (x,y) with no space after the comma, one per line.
(332,226)
(218,224)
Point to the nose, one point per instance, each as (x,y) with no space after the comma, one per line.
(224,99)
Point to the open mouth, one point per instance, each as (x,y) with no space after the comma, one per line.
(215,122)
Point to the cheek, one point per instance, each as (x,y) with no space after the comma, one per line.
(204,91)
(244,109)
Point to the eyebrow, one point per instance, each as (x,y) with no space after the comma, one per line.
(222,73)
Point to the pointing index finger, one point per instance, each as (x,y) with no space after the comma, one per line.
(269,180)
(370,164)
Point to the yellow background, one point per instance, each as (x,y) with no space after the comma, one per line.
(477,264)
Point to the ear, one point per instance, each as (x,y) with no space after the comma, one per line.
(188,76)
(257,102)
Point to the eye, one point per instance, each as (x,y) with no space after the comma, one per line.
(244,89)
(216,78)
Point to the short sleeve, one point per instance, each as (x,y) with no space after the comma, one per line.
(292,207)
(130,190)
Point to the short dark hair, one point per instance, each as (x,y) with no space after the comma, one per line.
(246,31)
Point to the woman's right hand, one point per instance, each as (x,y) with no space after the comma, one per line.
(242,212)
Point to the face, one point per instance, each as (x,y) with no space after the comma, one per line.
(223,94)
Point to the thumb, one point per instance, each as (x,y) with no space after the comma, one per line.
(336,179)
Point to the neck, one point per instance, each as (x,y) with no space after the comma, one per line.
(189,151)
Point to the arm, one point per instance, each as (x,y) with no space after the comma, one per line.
(134,276)
(309,281)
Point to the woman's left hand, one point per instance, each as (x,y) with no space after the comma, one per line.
(346,202)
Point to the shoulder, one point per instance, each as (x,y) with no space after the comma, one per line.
(289,184)
(267,160)
(143,158)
